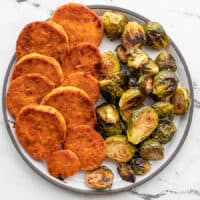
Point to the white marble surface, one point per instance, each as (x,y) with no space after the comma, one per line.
(181,179)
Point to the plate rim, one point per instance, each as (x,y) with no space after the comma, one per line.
(156,172)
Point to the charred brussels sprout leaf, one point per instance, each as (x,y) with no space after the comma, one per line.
(118,148)
(132,82)
(110,129)
(121,79)
(122,54)
(142,123)
(137,58)
(100,178)
(114,23)
(126,173)
(165,60)
(181,100)
(111,62)
(133,35)
(165,110)
(108,113)
(156,35)
(151,149)
(150,68)
(164,84)
(131,98)
(126,114)
(165,132)
(111,91)
(145,84)
(140,166)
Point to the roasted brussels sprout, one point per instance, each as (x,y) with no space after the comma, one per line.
(118,148)
(165,60)
(111,62)
(114,23)
(150,68)
(156,35)
(133,35)
(164,132)
(151,149)
(110,129)
(100,178)
(142,123)
(145,84)
(111,91)
(164,84)
(165,110)
(122,54)
(121,79)
(140,166)
(130,99)
(108,113)
(126,114)
(137,58)
(126,172)
(181,100)
(132,82)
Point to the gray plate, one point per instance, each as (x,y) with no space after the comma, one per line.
(76,183)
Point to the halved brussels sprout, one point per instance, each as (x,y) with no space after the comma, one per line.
(164,132)
(110,129)
(165,110)
(150,68)
(100,178)
(111,91)
(120,78)
(108,113)
(151,149)
(181,100)
(126,114)
(142,123)
(126,172)
(145,84)
(118,148)
(137,58)
(140,166)
(114,23)
(122,54)
(111,62)
(165,60)
(156,35)
(165,84)
(133,35)
(131,98)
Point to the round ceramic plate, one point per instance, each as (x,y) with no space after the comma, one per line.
(77,183)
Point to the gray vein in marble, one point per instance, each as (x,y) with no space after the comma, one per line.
(186,13)
(37,5)
(146,196)
(19,1)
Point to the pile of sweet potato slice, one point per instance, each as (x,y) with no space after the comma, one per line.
(53,89)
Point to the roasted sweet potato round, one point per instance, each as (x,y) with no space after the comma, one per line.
(74,104)
(43,37)
(85,82)
(40,130)
(87,144)
(38,63)
(25,90)
(80,23)
(84,58)
(62,163)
